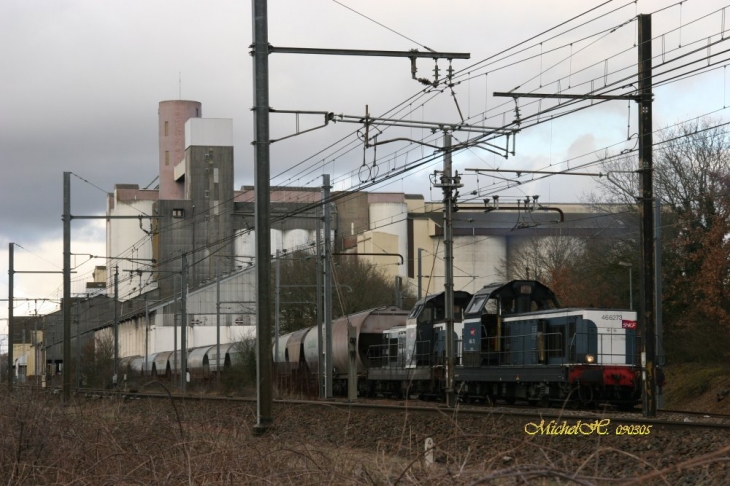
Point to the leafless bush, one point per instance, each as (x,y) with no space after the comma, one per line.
(97,361)
(239,377)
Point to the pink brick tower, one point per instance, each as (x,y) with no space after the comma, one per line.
(172,117)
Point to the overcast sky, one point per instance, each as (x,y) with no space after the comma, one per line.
(81,82)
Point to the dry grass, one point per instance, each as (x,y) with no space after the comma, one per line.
(110,441)
(694,386)
(113,441)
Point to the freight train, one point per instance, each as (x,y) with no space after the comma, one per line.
(512,341)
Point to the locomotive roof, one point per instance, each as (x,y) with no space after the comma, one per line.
(438,299)
(508,287)
(513,288)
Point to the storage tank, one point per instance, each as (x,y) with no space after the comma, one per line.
(246,244)
(161,366)
(276,240)
(147,368)
(198,362)
(136,365)
(369,326)
(213,354)
(387,215)
(295,238)
(283,354)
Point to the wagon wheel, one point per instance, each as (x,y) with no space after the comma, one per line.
(581,395)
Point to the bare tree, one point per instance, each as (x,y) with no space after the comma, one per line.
(97,360)
(692,162)
(541,257)
(581,271)
(691,174)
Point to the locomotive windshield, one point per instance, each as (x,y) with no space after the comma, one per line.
(429,312)
(416,310)
(476,304)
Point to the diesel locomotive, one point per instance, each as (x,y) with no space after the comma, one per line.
(512,341)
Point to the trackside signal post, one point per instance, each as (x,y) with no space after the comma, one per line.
(646,172)
(649,305)
(327,275)
(264,381)
(449,183)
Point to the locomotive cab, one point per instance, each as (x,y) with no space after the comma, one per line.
(426,328)
(484,341)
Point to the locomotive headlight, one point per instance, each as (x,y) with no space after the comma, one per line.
(590,358)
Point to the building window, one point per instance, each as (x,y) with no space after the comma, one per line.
(167,157)
(207,193)
(166,128)
(178,213)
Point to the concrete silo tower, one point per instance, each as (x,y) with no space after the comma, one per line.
(172,117)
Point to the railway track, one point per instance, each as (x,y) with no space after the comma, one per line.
(666,418)
(697,414)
